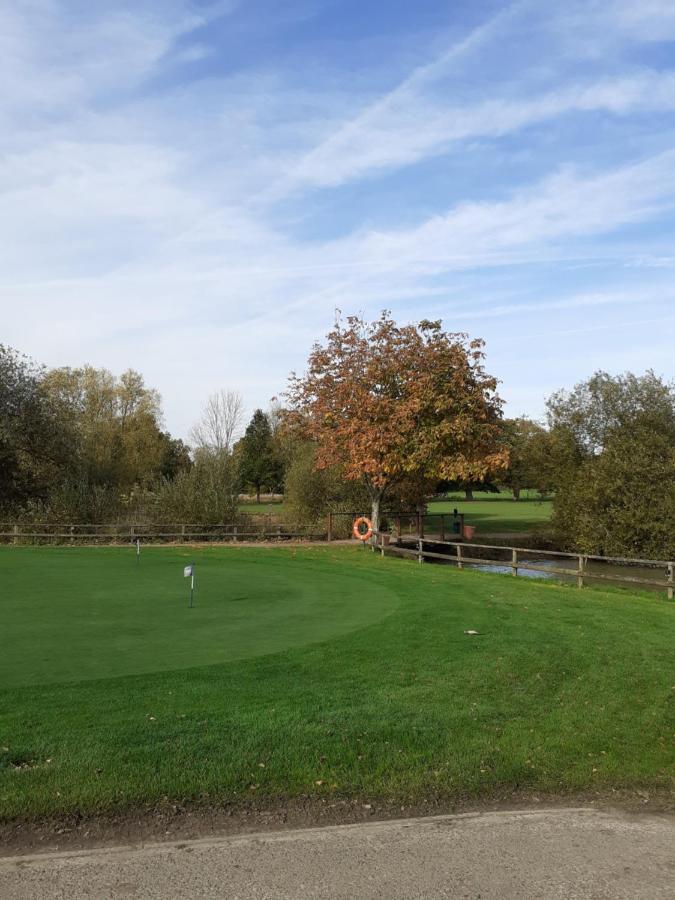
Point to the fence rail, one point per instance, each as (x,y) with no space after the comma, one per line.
(58,533)
(459,555)
(453,551)
(443,524)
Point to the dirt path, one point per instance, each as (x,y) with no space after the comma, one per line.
(558,853)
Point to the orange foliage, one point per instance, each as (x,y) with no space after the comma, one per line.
(393,403)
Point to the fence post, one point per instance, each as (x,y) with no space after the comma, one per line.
(234,533)
(72,532)
(671,579)
(16,534)
(580,571)
(442,526)
(514,561)
(182,533)
(420,551)
(382,543)
(330,527)
(460,564)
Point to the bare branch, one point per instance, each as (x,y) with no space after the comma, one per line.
(220,423)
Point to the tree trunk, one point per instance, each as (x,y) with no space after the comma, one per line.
(516,493)
(375,514)
(468,493)
(257,494)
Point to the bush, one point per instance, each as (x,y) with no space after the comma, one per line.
(620,502)
(206,494)
(612,445)
(310,494)
(74,503)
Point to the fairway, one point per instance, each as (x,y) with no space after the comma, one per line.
(496,514)
(316,672)
(117,617)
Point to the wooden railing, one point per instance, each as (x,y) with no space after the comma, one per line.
(461,554)
(59,533)
(444,524)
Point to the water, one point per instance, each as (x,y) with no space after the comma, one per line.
(653,573)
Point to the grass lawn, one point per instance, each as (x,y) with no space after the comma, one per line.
(491,513)
(494,513)
(318,671)
(265,507)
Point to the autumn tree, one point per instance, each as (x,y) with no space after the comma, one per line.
(394,403)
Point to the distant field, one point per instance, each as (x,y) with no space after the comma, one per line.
(323,671)
(490,513)
(494,513)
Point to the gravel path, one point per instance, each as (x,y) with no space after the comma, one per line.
(563,853)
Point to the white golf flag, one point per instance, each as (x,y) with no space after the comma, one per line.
(187,571)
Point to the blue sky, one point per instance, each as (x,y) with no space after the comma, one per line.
(192,188)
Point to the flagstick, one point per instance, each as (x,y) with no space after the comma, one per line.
(192,585)
(138,550)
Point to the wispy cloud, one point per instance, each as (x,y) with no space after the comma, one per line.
(407,127)
(158,199)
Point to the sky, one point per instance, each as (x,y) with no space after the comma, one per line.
(192,188)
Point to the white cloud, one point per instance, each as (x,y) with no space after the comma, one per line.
(649,20)
(138,226)
(561,207)
(439,104)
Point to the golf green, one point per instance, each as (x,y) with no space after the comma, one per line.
(74,614)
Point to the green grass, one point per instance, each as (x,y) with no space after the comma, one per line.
(491,513)
(318,671)
(496,513)
(272,507)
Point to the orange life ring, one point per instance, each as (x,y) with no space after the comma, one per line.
(356,528)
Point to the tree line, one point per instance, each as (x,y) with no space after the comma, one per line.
(83,445)
(383,417)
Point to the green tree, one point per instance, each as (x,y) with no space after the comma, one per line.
(259,462)
(612,448)
(528,459)
(310,492)
(36,444)
(604,405)
(175,456)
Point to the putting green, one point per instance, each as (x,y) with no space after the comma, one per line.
(74,614)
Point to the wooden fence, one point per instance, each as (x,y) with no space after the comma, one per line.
(455,552)
(400,524)
(520,558)
(51,533)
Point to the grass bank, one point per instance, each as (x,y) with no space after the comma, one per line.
(320,671)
